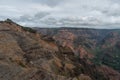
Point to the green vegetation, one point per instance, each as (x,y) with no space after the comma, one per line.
(29,29)
(113,59)
(109,57)
(22,64)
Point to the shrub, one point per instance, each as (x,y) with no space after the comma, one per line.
(29,29)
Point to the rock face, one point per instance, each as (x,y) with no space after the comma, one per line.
(27,55)
(96,46)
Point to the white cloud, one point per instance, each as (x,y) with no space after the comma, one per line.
(70,13)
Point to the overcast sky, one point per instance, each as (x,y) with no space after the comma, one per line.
(62,13)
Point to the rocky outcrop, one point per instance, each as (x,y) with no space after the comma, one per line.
(27,55)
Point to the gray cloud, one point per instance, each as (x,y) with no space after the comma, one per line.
(49,2)
(40,15)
